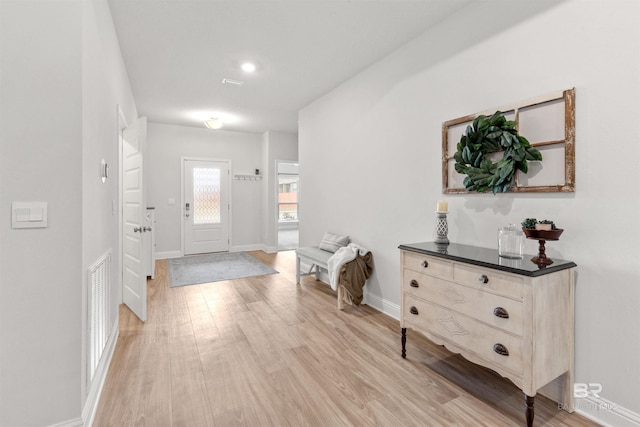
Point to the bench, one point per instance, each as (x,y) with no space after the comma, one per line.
(318,258)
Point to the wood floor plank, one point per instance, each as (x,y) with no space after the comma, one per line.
(342,388)
(473,412)
(190,400)
(265,351)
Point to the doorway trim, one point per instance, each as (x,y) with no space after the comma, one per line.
(183,159)
(122,125)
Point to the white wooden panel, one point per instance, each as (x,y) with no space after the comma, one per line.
(132,248)
(544,122)
(132,210)
(548,172)
(132,179)
(206,235)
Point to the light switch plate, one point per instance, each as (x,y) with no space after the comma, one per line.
(29,215)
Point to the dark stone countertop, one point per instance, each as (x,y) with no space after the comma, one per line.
(489,258)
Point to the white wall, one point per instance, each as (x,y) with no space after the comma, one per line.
(61,79)
(276,146)
(105,86)
(166,145)
(370,159)
(41,160)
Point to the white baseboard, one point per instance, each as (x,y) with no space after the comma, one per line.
(606,413)
(237,248)
(389,308)
(76,422)
(93,396)
(246,248)
(168,254)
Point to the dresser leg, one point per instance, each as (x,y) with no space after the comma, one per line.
(529,409)
(404,343)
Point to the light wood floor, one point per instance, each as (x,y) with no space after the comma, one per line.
(264,352)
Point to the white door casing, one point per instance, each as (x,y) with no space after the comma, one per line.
(206,206)
(134,280)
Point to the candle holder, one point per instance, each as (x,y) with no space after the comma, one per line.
(442,228)
(542,236)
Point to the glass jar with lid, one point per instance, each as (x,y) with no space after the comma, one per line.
(510,242)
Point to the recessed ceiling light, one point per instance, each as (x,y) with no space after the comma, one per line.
(248,67)
(213,123)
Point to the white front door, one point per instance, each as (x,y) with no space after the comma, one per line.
(206,206)
(134,292)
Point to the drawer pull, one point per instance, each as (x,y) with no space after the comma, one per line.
(413,310)
(414,284)
(425,264)
(501,312)
(500,349)
(483,279)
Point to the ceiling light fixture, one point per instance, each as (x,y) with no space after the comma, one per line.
(214,123)
(248,67)
(227,81)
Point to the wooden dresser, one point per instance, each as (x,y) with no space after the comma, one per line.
(507,315)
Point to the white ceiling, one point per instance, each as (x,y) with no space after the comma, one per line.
(177,52)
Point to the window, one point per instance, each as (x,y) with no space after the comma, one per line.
(287,198)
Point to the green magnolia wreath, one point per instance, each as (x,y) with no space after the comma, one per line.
(487,135)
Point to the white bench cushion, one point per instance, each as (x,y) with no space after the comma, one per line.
(315,255)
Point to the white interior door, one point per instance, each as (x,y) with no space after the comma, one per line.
(134,292)
(206,206)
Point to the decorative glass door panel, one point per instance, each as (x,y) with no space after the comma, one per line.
(206,196)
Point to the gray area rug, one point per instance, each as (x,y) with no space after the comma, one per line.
(195,269)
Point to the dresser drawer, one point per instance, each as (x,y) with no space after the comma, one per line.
(488,279)
(427,265)
(465,332)
(495,310)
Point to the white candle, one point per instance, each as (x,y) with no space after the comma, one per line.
(443,206)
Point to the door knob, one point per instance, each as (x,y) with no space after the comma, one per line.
(137,229)
(186,208)
(145,228)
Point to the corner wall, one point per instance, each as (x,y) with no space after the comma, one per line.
(370,155)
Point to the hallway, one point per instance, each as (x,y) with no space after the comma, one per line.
(262,351)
